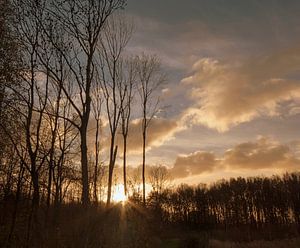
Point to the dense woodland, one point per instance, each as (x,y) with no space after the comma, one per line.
(254,202)
(69,90)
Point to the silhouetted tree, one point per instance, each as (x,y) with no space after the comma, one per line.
(150,79)
(111,62)
(82,23)
(130,83)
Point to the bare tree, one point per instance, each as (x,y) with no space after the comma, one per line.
(130,82)
(159,178)
(111,47)
(97,107)
(81,23)
(150,80)
(35,89)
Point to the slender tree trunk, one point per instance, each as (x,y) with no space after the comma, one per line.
(36,190)
(52,150)
(49,185)
(57,199)
(56,196)
(147,68)
(95,182)
(124,163)
(2,93)
(96,162)
(32,219)
(83,133)
(110,170)
(1,110)
(144,162)
(84,166)
(49,190)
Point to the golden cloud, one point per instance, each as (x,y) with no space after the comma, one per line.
(159,131)
(227,95)
(264,153)
(193,164)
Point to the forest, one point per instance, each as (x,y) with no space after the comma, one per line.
(71,94)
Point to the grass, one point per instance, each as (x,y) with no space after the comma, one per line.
(286,243)
(123,227)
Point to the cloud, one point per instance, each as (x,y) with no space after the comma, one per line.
(226,95)
(159,131)
(193,164)
(261,154)
(264,153)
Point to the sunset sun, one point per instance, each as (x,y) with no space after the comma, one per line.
(118,194)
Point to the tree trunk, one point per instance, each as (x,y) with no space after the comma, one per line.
(144,161)
(110,172)
(49,185)
(84,166)
(36,190)
(124,163)
(95,182)
(96,162)
(2,94)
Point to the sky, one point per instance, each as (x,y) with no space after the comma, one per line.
(232,97)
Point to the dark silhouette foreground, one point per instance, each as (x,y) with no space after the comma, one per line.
(237,210)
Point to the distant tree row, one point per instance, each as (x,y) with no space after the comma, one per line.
(256,202)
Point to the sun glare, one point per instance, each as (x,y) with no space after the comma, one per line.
(118,194)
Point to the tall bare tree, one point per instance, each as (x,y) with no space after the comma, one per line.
(82,22)
(150,80)
(111,47)
(97,101)
(35,89)
(130,83)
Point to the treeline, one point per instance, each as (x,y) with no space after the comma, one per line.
(239,209)
(256,202)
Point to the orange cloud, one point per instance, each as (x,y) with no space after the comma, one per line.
(227,95)
(160,130)
(261,154)
(193,164)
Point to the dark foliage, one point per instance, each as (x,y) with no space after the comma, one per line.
(237,210)
(266,207)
